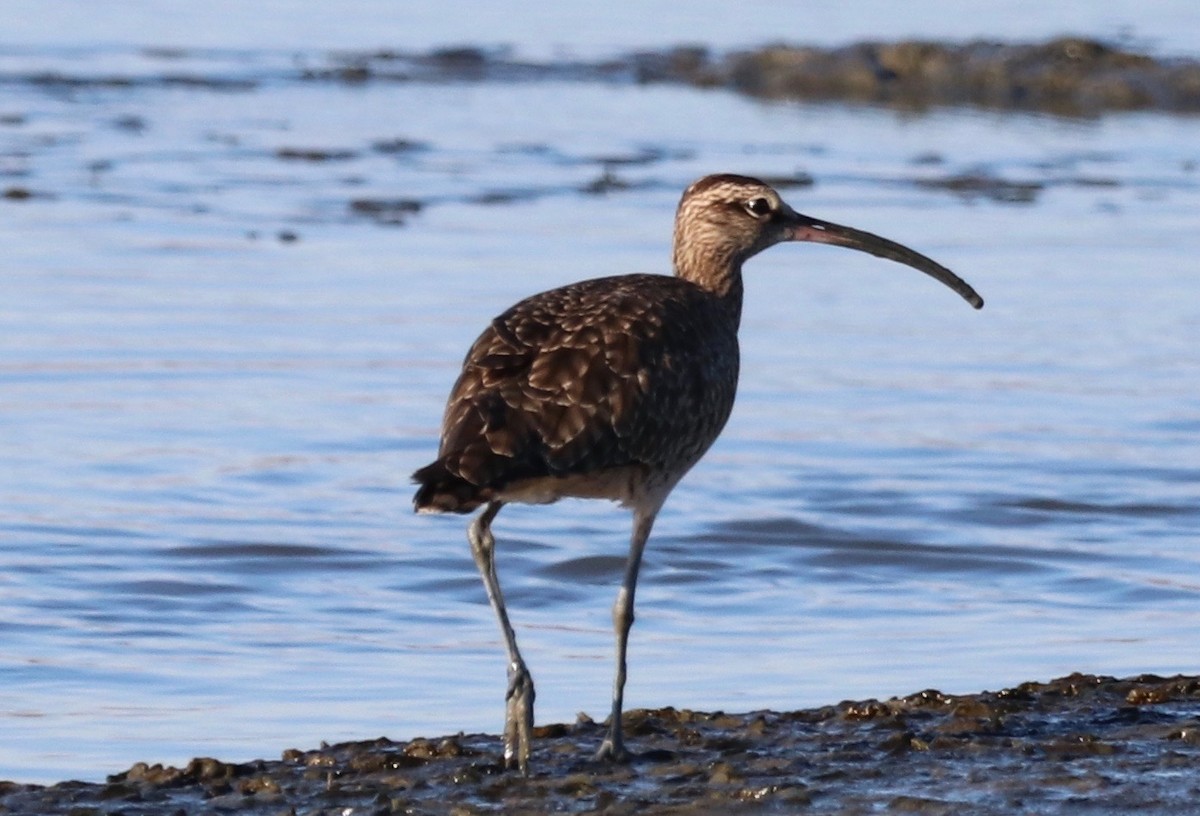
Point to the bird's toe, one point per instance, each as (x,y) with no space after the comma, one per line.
(610,751)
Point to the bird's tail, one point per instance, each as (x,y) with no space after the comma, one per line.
(441,491)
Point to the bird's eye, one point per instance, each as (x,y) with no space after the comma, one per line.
(758,207)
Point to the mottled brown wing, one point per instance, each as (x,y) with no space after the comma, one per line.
(600,374)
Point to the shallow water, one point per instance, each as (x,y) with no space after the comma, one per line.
(216,374)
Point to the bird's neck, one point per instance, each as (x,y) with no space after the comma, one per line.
(710,268)
(723,283)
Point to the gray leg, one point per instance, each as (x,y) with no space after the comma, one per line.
(613,746)
(518,714)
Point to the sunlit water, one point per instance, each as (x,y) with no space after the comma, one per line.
(207,431)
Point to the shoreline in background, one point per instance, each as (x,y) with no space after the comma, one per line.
(1068,76)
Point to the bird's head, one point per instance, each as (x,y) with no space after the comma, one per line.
(724,220)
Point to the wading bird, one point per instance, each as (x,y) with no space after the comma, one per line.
(612,389)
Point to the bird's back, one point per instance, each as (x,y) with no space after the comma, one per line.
(592,389)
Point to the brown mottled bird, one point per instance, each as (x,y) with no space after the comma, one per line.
(612,389)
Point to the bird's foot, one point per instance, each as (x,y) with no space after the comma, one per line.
(611,750)
(518,719)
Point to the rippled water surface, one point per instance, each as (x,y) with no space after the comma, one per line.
(232,312)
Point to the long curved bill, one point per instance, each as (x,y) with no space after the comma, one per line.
(807,228)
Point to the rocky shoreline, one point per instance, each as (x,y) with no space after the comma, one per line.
(1066,76)
(1070,76)
(1078,744)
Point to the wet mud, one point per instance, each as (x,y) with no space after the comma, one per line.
(1081,744)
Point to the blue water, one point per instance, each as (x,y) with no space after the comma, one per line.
(206,429)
